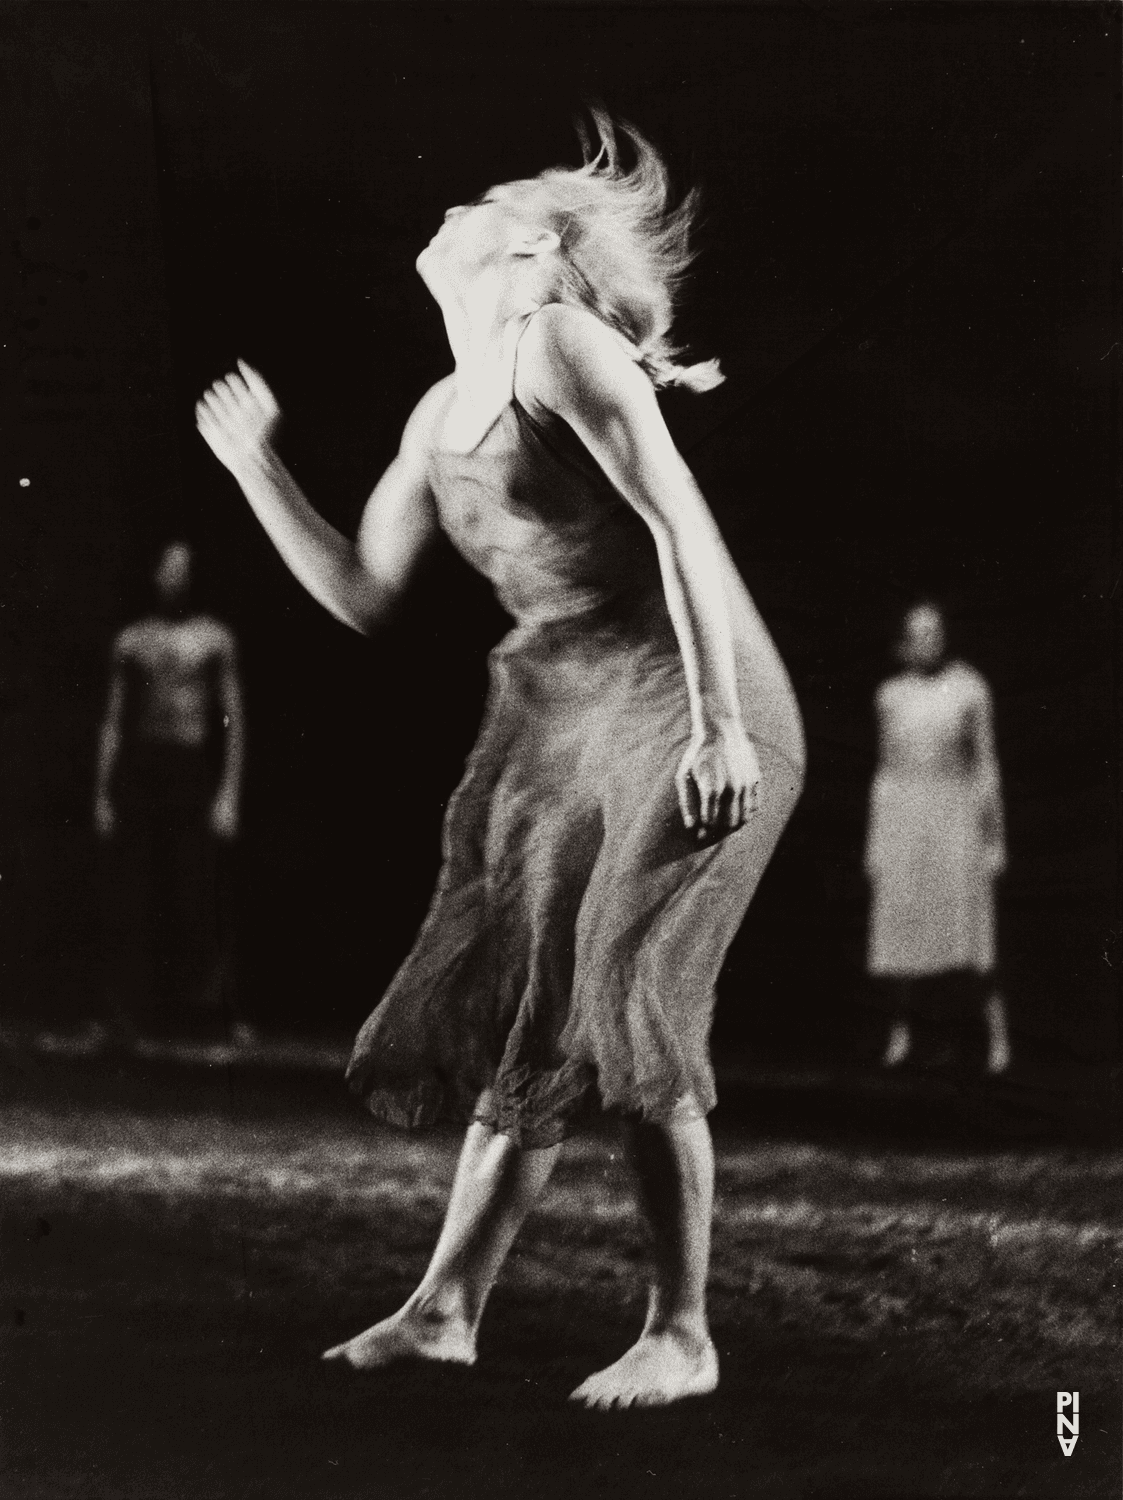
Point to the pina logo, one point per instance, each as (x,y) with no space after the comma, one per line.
(1068,1401)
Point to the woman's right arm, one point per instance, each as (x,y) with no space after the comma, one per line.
(358,582)
(873,854)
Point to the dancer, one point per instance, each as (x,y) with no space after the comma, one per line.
(935,844)
(163,807)
(640,753)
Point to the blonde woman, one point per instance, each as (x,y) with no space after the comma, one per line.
(640,753)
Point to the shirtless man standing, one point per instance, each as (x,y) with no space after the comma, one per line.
(164,802)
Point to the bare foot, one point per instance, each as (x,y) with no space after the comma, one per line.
(657,1369)
(413,1332)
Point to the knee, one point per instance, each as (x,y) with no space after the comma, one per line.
(685,1111)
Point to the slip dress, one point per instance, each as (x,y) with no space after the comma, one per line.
(569,956)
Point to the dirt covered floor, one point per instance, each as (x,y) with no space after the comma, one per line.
(893,1320)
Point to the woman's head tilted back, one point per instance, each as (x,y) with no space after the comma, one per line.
(599,236)
(622,250)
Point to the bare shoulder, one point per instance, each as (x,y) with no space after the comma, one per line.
(560,332)
(969,681)
(132,640)
(567,350)
(424,421)
(215,636)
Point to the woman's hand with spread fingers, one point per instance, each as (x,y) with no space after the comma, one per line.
(238,417)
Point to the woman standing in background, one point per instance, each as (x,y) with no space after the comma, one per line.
(936,841)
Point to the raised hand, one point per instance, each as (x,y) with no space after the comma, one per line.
(238,417)
(718,782)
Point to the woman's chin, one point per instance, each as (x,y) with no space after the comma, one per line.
(435,272)
(427,266)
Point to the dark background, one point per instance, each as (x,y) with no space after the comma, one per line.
(910,275)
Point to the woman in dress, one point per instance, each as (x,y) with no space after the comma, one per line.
(640,753)
(935,843)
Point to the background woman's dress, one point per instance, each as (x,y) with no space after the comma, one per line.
(577,929)
(935,840)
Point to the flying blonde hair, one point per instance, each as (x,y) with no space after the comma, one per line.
(623,252)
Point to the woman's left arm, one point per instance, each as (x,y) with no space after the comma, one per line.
(225,809)
(577,368)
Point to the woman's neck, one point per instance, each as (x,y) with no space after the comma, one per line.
(483,323)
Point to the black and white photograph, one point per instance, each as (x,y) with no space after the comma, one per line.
(559,750)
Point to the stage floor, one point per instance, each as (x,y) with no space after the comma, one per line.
(893,1321)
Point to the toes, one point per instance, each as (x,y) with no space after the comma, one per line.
(598,1395)
(590,1394)
(643,1381)
(618,1400)
(652,1398)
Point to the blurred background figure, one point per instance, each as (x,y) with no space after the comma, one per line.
(935,845)
(167,797)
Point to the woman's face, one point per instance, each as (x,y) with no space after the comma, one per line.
(922,637)
(487,233)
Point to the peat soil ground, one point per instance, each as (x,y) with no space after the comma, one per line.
(894,1316)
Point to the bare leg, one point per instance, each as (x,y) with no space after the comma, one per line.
(899,1042)
(495,1187)
(899,1045)
(674,1355)
(998,1034)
